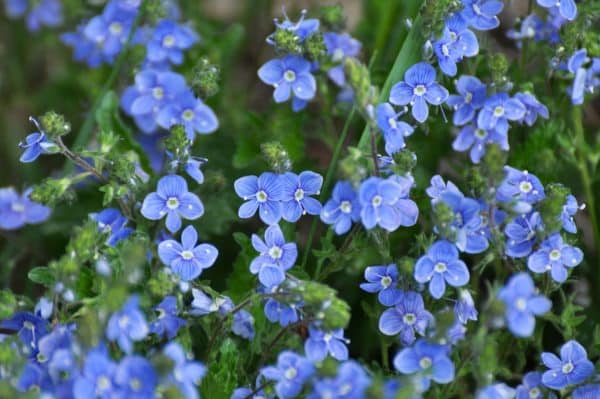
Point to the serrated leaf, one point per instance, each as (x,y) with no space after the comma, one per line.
(42,275)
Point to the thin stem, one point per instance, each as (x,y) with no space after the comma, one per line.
(328,178)
(219,327)
(258,389)
(582,164)
(374,151)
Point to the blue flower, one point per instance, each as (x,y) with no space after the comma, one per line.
(112,222)
(127,325)
(522,303)
(566,8)
(586,78)
(186,374)
(29,328)
(202,304)
(262,193)
(249,393)
(521,234)
(282,313)
(340,46)
(440,265)
(44,308)
(351,382)
(385,202)
(168,42)
(85,49)
(167,324)
(303,28)
(520,186)
(35,144)
(290,374)
(153,91)
(466,228)
(532,27)
(572,368)
(470,98)
(110,30)
(173,200)
(419,88)
(456,42)
(342,209)
(295,194)
(439,187)
(97,377)
(555,256)
(320,343)
(187,259)
(243,324)
(426,358)
(464,309)
(406,317)
(590,391)
(570,208)
(192,168)
(498,110)
(136,378)
(532,387)
(496,391)
(476,139)
(191,112)
(276,256)
(17,210)
(384,281)
(393,129)
(41,13)
(290,76)
(533,107)
(481,14)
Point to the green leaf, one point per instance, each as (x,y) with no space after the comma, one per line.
(42,275)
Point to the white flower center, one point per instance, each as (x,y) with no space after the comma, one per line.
(338,55)
(445,50)
(386,281)
(534,393)
(525,187)
(187,255)
(419,90)
(440,267)
(123,321)
(261,196)
(275,252)
(172,203)
(498,111)
(409,319)
(468,98)
(392,122)
(116,28)
(521,304)
(158,93)
(377,200)
(346,206)
(425,362)
(289,75)
(567,367)
(103,383)
(480,133)
(555,254)
(135,384)
(290,373)
(168,41)
(452,36)
(299,194)
(188,114)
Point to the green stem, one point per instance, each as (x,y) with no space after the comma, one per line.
(328,177)
(88,125)
(586,180)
